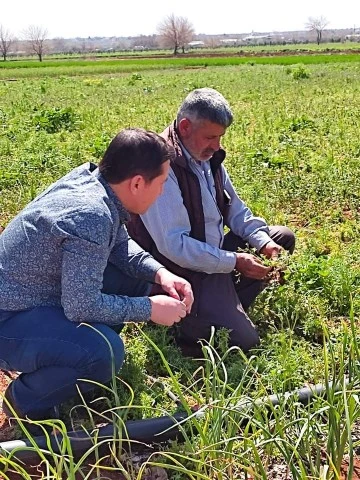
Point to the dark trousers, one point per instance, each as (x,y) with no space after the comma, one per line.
(222,304)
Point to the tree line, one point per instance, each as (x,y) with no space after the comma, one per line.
(34,35)
(174,32)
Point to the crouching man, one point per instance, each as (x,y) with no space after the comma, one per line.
(184,228)
(66,259)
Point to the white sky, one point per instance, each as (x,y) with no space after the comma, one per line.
(80,18)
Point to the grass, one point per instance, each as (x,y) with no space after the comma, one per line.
(293,156)
(233,432)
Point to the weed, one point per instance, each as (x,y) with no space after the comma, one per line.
(300,73)
(56,119)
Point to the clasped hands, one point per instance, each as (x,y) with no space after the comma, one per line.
(169,309)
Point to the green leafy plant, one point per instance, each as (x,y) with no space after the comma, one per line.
(300,73)
(56,119)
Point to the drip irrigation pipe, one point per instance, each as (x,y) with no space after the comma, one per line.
(151,430)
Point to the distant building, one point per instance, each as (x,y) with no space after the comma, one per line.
(257,38)
(354,37)
(196,44)
(229,41)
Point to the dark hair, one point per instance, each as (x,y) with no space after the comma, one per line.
(134,151)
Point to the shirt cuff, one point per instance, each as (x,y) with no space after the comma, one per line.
(259,240)
(142,309)
(151,268)
(227,262)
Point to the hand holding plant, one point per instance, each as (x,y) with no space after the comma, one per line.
(251,266)
(278,265)
(166,310)
(271,250)
(270,266)
(176,287)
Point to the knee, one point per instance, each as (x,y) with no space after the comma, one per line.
(244,340)
(112,352)
(283,236)
(289,240)
(107,357)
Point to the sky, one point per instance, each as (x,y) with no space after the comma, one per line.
(107,18)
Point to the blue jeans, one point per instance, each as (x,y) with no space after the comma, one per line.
(53,353)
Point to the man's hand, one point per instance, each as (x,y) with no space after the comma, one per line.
(271,250)
(166,310)
(251,266)
(176,287)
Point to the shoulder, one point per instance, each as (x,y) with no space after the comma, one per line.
(91,224)
(81,207)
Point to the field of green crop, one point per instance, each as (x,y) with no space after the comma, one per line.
(227,50)
(293,154)
(11,71)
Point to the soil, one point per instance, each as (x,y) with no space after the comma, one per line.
(345,468)
(6,431)
(37,473)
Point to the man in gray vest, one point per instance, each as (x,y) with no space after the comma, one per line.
(184,228)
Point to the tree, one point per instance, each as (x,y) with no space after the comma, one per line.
(186,32)
(176,32)
(57,45)
(317,24)
(212,42)
(148,41)
(6,40)
(36,37)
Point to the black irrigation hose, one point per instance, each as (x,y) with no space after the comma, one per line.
(145,431)
(302,395)
(151,430)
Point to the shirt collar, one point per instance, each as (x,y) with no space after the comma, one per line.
(124,214)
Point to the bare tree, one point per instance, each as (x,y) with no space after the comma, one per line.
(57,45)
(6,40)
(212,42)
(317,25)
(36,37)
(176,32)
(148,41)
(186,32)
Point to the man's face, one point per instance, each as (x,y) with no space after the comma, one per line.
(151,190)
(200,138)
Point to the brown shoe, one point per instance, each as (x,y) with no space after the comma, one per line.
(35,430)
(10,400)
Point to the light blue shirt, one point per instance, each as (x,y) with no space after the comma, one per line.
(168,223)
(54,253)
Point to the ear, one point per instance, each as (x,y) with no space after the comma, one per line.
(137,184)
(184,128)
